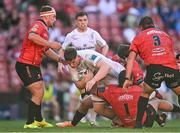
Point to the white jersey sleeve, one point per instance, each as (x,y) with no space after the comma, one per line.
(67,41)
(99,40)
(90,56)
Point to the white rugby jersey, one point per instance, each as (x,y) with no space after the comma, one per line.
(89,60)
(84,40)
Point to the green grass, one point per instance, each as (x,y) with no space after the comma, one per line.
(104,126)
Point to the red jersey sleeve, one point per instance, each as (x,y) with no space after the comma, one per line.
(36,28)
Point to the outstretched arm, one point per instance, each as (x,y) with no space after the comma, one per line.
(54,56)
(129,67)
(37,39)
(104,68)
(105,50)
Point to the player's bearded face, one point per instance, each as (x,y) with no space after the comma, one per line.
(52,20)
(82,22)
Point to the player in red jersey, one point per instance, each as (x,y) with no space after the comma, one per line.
(121,57)
(155,47)
(35,45)
(125,104)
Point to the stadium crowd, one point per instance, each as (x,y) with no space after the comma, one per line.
(117,25)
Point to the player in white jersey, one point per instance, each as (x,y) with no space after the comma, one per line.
(105,72)
(82,38)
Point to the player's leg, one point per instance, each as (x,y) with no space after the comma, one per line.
(159,118)
(163,105)
(177,91)
(37,90)
(85,105)
(153,79)
(35,101)
(172,77)
(92,117)
(166,106)
(32,79)
(142,103)
(101,109)
(151,114)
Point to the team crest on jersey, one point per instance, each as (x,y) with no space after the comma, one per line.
(34,28)
(93,57)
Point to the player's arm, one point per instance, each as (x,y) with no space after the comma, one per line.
(102,43)
(60,64)
(54,56)
(130,62)
(66,42)
(129,67)
(81,84)
(37,39)
(104,68)
(105,50)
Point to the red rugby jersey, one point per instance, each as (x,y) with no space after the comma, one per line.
(124,104)
(154,47)
(32,53)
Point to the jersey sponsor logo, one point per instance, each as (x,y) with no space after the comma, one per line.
(35,28)
(125,97)
(155,84)
(93,57)
(158,51)
(167,75)
(157,76)
(85,48)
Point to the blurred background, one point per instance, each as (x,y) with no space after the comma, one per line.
(116,21)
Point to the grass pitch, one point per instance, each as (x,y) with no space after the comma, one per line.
(104,126)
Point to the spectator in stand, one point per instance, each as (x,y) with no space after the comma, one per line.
(50,102)
(107,4)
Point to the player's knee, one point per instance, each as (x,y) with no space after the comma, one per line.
(85,105)
(87,102)
(147,89)
(98,108)
(83,108)
(39,93)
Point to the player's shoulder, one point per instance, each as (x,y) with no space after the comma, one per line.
(39,24)
(70,34)
(86,51)
(90,30)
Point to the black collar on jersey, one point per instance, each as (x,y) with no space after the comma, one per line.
(150,26)
(42,22)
